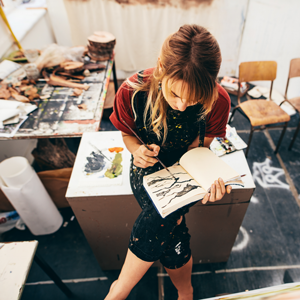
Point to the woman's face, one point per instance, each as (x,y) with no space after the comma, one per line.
(172,92)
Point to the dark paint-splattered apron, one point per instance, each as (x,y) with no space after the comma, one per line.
(154,237)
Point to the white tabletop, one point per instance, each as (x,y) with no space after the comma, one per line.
(15,263)
(278,292)
(238,162)
(83,185)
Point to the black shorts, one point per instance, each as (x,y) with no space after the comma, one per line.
(154,237)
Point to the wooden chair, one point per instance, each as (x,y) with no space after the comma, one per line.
(260,112)
(295,102)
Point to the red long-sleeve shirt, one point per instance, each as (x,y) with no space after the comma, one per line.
(216,119)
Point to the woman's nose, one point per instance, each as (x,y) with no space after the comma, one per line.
(182,105)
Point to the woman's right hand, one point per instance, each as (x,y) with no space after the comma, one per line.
(144,158)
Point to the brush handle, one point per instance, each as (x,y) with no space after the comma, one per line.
(134,133)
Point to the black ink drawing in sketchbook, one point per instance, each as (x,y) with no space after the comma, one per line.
(196,172)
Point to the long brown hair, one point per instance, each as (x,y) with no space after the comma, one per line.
(192,55)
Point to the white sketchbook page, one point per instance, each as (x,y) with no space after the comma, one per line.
(205,167)
(166,193)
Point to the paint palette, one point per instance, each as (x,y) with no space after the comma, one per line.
(222,146)
(230,143)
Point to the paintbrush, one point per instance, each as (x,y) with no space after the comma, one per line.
(98,150)
(146,147)
(229,181)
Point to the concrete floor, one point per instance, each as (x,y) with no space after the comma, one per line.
(266,251)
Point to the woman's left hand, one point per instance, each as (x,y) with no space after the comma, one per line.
(217,191)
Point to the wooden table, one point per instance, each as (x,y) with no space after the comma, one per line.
(15,262)
(59,115)
(107,211)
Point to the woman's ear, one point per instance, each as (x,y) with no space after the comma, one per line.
(159,64)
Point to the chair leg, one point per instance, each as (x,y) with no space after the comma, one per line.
(249,141)
(232,114)
(115,76)
(294,137)
(282,102)
(281,137)
(240,111)
(49,271)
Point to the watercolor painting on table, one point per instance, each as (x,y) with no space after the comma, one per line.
(101,163)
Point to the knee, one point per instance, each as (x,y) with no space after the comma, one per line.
(116,292)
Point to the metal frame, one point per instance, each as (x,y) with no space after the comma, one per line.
(259,128)
(294,137)
(49,271)
(298,127)
(292,74)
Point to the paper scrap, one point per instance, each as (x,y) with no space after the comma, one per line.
(8,113)
(9,104)
(255,93)
(13,120)
(28,108)
(7,67)
(10,130)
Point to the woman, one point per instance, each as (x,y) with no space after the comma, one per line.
(173,108)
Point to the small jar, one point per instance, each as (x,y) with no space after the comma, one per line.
(32,71)
(31,54)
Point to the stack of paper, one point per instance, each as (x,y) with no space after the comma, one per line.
(232,84)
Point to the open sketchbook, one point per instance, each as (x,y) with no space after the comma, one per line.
(196,172)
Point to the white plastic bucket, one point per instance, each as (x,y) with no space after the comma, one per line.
(15,171)
(27,194)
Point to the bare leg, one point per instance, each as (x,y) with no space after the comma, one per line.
(132,271)
(181,278)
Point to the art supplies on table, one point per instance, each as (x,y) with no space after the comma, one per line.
(196,172)
(70,97)
(230,143)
